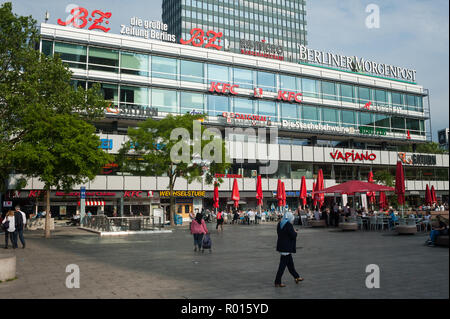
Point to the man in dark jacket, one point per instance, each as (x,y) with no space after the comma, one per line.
(19,224)
(286,245)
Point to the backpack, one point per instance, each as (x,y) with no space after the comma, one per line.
(206,244)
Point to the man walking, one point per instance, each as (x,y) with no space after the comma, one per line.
(21,221)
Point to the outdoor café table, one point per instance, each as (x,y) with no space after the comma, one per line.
(366,222)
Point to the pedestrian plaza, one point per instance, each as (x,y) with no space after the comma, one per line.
(243,264)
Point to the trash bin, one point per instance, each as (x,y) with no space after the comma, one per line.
(135,224)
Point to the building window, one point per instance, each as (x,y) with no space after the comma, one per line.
(244,106)
(266,81)
(310,114)
(133,95)
(191,102)
(74,55)
(289,111)
(329,90)
(164,68)
(347,93)
(47,47)
(165,100)
(310,88)
(218,104)
(191,71)
(218,73)
(267,108)
(243,78)
(134,63)
(103,59)
(288,83)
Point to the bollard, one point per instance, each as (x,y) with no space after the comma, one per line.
(7,267)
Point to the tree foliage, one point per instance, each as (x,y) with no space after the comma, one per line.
(45,123)
(384,177)
(155,146)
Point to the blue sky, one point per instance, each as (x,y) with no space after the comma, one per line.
(412,34)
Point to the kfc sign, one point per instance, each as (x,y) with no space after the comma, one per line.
(198,39)
(219,87)
(78,18)
(354,156)
(138,194)
(289,96)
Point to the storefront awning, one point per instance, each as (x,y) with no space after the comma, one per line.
(94,203)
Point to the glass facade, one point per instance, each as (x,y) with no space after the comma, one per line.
(352,97)
(279,22)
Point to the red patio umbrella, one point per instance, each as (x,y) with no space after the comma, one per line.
(283,192)
(303,192)
(400,183)
(279,194)
(216,196)
(371,195)
(319,197)
(313,194)
(235,194)
(259,193)
(433,195)
(428,199)
(383,200)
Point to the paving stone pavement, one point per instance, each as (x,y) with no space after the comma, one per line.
(242,265)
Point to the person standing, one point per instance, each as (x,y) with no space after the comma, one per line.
(198,229)
(9,225)
(219,220)
(286,246)
(20,216)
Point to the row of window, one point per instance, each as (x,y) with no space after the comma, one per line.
(173,101)
(102,59)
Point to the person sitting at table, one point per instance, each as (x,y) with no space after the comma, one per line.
(440,230)
(316,214)
(392,218)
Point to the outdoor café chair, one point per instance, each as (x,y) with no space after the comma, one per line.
(373,222)
(360,223)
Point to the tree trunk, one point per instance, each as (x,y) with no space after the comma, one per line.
(172,204)
(47,216)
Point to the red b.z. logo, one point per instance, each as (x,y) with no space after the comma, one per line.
(79,18)
(197,38)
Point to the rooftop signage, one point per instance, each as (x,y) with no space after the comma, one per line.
(147,29)
(355,64)
(198,39)
(79,18)
(262,49)
(417,159)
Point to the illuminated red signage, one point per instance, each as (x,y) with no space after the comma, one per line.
(138,194)
(228,175)
(223,88)
(249,117)
(289,96)
(198,39)
(79,19)
(354,156)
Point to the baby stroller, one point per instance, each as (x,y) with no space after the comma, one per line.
(207,243)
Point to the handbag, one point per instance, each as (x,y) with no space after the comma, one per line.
(6,225)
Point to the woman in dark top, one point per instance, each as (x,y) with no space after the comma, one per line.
(286,245)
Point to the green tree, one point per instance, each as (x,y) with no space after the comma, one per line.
(384,177)
(158,150)
(430,148)
(45,123)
